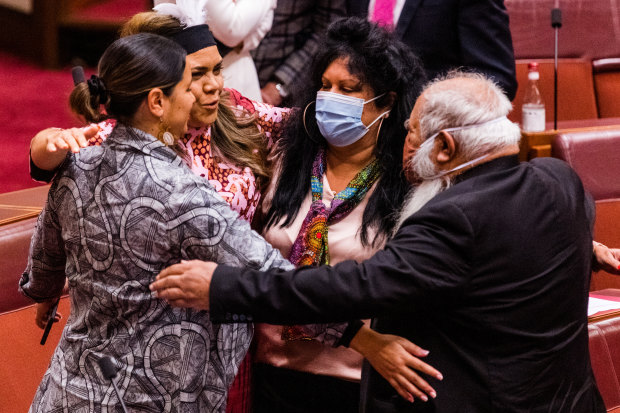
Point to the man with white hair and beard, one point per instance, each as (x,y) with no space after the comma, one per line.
(489,270)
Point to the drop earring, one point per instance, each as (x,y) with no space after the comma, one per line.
(164,135)
(168,138)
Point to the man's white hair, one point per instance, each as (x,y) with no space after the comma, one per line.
(446,107)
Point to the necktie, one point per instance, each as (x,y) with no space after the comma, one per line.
(383,13)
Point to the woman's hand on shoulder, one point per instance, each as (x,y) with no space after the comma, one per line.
(72,139)
(50,146)
(397,360)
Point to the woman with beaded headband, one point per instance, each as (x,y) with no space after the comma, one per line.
(220,142)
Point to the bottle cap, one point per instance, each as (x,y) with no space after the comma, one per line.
(532,66)
(533,75)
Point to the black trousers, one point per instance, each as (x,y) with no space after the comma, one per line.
(279,390)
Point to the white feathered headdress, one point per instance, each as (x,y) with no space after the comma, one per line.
(189,12)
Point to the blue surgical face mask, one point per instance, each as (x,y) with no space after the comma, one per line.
(468,163)
(339,117)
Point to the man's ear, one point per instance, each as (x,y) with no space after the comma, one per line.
(447,147)
(155,102)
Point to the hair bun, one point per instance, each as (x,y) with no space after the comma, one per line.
(97,89)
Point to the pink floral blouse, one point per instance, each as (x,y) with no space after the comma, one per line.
(235,183)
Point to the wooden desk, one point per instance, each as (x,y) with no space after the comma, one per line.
(18,205)
(611,293)
(537,144)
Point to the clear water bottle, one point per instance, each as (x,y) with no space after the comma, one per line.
(533,109)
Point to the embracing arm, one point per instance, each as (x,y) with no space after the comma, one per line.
(418,268)
(385,283)
(49,148)
(187,285)
(207,229)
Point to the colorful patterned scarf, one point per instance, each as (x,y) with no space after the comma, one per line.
(311,246)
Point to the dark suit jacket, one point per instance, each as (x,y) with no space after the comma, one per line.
(447,34)
(491,276)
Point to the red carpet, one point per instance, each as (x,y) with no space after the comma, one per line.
(31,99)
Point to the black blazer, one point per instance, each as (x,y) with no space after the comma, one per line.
(448,34)
(491,276)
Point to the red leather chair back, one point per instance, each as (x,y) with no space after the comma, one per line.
(14,246)
(607,85)
(595,156)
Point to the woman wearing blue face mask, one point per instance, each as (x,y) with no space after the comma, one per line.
(334,197)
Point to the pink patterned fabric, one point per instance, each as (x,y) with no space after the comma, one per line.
(236,184)
(383,13)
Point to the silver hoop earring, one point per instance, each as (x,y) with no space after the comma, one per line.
(379,130)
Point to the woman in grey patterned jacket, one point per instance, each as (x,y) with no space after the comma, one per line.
(116,215)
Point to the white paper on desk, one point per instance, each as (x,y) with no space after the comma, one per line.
(596,305)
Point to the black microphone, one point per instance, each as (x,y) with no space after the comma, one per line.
(556,23)
(78,75)
(108,369)
(556,18)
(51,319)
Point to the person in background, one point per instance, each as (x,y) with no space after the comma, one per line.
(116,214)
(489,268)
(237,24)
(449,34)
(284,57)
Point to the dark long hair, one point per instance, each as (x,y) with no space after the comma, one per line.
(128,69)
(386,65)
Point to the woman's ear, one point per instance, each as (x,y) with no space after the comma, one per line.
(447,147)
(155,102)
(391,100)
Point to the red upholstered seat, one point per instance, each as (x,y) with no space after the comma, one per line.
(14,245)
(595,156)
(607,86)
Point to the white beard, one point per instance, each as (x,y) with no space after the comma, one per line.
(425,169)
(420,195)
